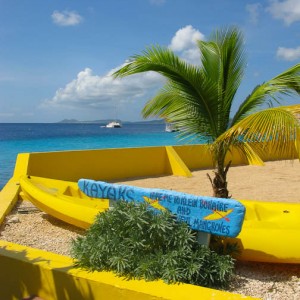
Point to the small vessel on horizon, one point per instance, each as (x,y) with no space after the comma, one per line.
(114,124)
(170,128)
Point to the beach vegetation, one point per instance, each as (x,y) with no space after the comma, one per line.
(202,101)
(134,241)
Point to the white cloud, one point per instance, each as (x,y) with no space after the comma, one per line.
(253,10)
(289,54)
(185,42)
(66,18)
(287,10)
(185,38)
(89,90)
(104,92)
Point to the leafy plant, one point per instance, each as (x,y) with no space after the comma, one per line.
(136,242)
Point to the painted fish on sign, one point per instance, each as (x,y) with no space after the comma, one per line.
(218,216)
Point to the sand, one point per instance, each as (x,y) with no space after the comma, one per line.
(276,181)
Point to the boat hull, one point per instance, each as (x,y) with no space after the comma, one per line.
(62,200)
(270,232)
(114,125)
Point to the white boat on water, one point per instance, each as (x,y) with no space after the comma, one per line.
(113,124)
(170,128)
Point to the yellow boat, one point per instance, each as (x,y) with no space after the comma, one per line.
(268,233)
(62,200)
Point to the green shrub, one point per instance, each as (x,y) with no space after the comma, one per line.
(134,241)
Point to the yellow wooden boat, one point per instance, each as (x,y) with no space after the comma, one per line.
(62,200)
(269,232)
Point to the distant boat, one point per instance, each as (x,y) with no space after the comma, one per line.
(170,128)
(114,124)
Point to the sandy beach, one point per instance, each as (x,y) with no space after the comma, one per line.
(276,181)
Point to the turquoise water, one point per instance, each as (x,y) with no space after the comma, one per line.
(20,138)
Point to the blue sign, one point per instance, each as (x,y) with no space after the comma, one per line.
(217,216)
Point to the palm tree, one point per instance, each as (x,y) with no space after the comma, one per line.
(198,100)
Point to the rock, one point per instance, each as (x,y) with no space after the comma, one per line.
(13,219)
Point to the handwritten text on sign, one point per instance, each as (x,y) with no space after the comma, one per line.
(213,215)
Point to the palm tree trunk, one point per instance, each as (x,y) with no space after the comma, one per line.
(219,182)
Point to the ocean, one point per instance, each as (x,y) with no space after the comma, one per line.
(43,137)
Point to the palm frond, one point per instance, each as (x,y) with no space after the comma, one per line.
(160,60)
(223,61)
(273,130)
(174,106)
(232,54)
(186,86)
(250,154)
(270,92)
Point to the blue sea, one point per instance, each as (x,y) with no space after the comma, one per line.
(20,138)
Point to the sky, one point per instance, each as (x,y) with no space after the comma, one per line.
(57,56)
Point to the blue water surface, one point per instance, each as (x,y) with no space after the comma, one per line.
(20,138)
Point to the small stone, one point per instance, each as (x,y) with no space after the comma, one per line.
(14,219)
